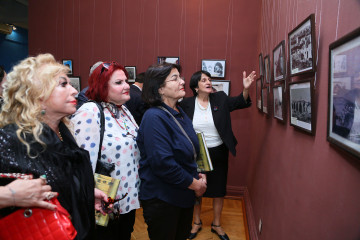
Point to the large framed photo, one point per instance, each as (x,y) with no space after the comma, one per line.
(265,100)
(267,69)
(344,93)
(162,59)
(68,63)
(261,65)
(221,85)
(301,105)
(279,109)
(131,72)
(76,83)
(302,47)
(279,69)
(258,93)
(215,67)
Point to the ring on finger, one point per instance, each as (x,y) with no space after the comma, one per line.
(43,178)
(49,195)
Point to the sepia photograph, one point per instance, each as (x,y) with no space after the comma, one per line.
(215,67)
(278,102)
(258,93)
(132,73)
(300,104)
(344,93)
(302,47)
(221,85)
(279,62)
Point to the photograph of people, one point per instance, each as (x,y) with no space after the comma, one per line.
(210,114)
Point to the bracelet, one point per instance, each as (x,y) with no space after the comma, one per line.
(12,193)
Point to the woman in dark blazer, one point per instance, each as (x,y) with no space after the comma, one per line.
(210,114)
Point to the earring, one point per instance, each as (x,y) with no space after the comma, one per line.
(43,112)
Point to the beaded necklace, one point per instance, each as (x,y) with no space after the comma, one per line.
(123,115)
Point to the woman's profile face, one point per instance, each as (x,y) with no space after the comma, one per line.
(119,89)
(62,100)
(173,88)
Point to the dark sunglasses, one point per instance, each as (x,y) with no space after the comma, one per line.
(106,66)
(105,205)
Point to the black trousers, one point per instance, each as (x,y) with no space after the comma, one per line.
(165,221)
(119,228)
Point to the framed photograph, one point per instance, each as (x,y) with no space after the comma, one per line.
(76,83)
(215,67)
(267,68)
(258,93)
(162,59)
(265,99)
(261,65)
(132,73)
(301,105)
(221,85)
(279,69)
(279,109)
(69,64)
(344,93)
(302,47)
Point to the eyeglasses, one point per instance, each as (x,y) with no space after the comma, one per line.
(176,78)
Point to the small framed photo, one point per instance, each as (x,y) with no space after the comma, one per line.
(265,100)
(261,65)
(75,82)
(302,47)
(215,67)
(301,105)
(279,109)
(267,68)
(258,93)
(162,59)
(131,72)
(221,85)
(344,93)
(279,69)
(69,64)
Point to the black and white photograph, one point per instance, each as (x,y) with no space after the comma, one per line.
(267,68)
(69,64)
(75,82)
(221,85)
(302,47)
(132,73)
(264,97)
(258,93)
(261,65)
(344,93)
(278,102)
(162,59)
(279,62)
(215,67)
(300,104)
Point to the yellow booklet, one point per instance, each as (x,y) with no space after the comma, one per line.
(203,160)
(109,186)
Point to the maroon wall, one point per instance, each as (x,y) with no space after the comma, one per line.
(134,33)
(301,186)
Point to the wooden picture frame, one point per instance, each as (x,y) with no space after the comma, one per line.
(163,59)
(221,85)
(215,67)
(279,62)
(75,82)
(301,105)
(302,55)
(343,128)
(131,72)
(279,103)
(259,94)
(265,100)
(69,64)
(267,69)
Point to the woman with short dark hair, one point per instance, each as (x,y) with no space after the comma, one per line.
(168,146)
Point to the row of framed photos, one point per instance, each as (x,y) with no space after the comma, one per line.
(301,54)
(343,119)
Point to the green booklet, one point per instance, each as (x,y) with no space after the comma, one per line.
(203,159)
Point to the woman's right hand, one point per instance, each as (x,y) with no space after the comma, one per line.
(28,193)
(199,186)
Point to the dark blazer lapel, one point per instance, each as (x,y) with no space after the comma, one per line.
(189,107)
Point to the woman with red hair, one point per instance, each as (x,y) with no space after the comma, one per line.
(108,86)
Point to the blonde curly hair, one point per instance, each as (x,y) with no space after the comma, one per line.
(28,85)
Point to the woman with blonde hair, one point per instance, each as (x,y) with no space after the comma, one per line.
(35,139)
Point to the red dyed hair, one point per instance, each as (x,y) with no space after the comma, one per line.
(99,81)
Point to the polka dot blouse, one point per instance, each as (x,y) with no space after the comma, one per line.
(118,147)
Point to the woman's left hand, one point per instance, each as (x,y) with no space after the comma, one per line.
(99,197)
(247,81)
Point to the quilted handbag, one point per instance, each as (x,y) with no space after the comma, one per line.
(38,223)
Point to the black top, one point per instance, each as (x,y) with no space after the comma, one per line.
(136,105)
(221,106)
(66,166)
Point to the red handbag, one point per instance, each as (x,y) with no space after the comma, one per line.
(38,224)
